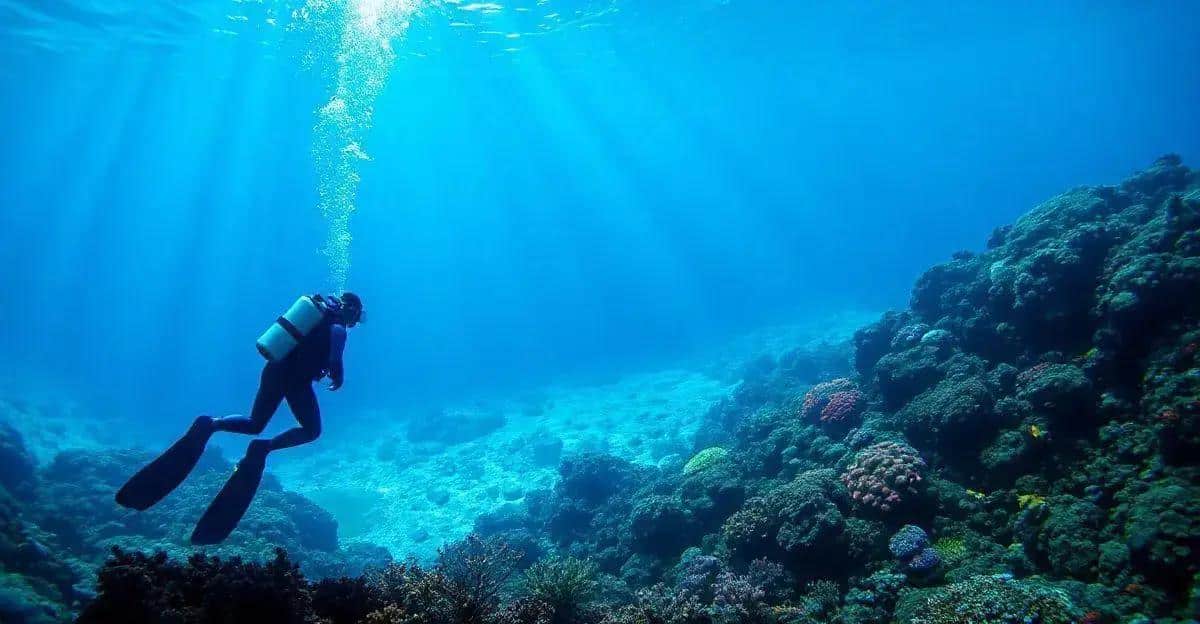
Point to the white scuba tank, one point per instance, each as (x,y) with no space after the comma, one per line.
(288,330)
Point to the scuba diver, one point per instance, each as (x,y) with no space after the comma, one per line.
(301,347)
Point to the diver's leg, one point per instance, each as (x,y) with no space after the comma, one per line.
(303,403)
(231,503)
(271,389)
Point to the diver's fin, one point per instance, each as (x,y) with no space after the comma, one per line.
(158,478)
(227,509)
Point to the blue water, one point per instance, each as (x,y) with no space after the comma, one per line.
(554,189)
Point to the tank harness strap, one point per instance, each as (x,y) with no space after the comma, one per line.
(289,328)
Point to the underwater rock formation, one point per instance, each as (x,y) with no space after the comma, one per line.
(454,426)
(59,522)
(1019,445)
(17,466)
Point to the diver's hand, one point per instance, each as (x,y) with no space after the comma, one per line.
(337,374)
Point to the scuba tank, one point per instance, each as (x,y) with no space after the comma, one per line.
(288,330)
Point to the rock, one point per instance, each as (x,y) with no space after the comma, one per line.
(594,477)
(454,426)
(16,463)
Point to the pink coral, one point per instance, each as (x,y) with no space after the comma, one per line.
(882,473)
(842,406)
(817,398)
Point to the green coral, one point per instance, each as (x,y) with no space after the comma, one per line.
(1163,522)
(954,409)
(997,599)
(805,516)
(660,525)
(705,459)
(951,549)
(1060,391)
(1068,537)
(564,583)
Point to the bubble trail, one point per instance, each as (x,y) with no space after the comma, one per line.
(354,43)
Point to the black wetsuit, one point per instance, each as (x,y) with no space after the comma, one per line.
(318,355)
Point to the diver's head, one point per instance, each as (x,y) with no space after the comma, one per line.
(352,309)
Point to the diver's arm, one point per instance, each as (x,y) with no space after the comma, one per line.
(337,344)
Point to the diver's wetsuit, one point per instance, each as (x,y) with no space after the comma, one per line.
(319,354)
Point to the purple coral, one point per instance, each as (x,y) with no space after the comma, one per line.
(908,542)
(820,395)
(737,592)
(842,406)
(910,545)
(924,561)
(699,573)
(882,473)
(747,598)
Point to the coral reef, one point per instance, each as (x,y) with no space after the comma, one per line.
(987,599)
(1019,445)
(136,587)
(802,518)
(59,522)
